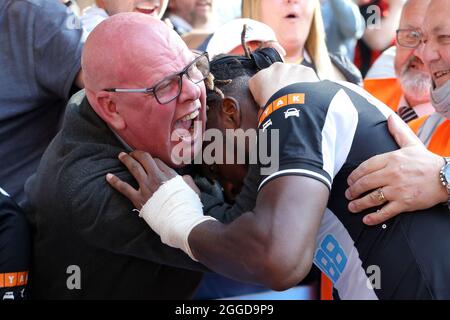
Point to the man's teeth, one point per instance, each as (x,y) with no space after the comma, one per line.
(441,73)
(191,116)
(147,9)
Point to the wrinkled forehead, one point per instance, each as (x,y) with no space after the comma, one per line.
(413,13)
(437,17)
(168,43)
(157,53)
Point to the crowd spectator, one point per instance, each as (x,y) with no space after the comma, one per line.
(344,25)
(40,64)
(382,19)
(299,29)
(102,9)
(191,15)
(408,92)
(413,178)
(76,216)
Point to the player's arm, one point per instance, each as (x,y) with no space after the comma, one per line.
(272,245)
(275,243)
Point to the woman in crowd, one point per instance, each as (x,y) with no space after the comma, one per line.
(299,28)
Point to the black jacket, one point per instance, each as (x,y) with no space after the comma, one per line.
(79,220)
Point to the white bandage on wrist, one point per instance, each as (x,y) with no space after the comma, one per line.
(172,212)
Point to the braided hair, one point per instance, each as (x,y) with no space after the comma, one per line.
(224,69)
(226,72)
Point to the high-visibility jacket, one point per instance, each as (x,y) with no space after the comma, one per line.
(386,90)
(434,132)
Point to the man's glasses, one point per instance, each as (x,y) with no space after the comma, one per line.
(169,88)
(409,38)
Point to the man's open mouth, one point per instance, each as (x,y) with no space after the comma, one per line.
(150,10)
(415,65)
(441,74)
(185,127)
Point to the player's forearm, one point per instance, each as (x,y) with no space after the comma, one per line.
(235,250)
(243,250)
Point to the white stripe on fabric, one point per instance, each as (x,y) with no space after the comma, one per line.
(384,109)
(293,171)
(4,192)
(338,132)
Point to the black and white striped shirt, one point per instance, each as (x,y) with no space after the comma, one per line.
(326,129)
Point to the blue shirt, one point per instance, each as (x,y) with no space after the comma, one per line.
(41,52)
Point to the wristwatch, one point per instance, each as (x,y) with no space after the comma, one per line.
(444,176)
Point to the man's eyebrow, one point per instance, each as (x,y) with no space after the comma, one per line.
(410,26)
(440,28)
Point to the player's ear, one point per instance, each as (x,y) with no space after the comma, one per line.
(231,113)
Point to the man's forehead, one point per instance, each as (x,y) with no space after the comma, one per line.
(133,41)
(436,19)
(414,13)
(169,50)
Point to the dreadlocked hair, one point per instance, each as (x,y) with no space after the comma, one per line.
(226,70)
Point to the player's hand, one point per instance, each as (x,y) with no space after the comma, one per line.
(279,75)
(408,178)
(150,173)
(275,45)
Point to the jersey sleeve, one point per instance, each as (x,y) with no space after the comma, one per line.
(306,129)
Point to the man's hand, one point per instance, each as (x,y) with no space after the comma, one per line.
(279,75)
(172,220)
(149,173)
(408,178)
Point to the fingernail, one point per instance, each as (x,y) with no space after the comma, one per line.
(121,154)
(348,195)
(366,220)
(109,176)
(352,207)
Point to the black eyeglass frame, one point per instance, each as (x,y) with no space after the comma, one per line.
(153,90)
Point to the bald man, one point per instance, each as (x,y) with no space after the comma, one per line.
(88,242)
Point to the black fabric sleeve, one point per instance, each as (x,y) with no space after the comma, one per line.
(216,207)
(308,129)
(15,250)
(101,217)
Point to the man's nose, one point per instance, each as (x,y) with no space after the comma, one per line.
(427,52)
(189,90)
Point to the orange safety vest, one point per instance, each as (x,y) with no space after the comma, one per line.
(326,287)
(387,90)
(439,143)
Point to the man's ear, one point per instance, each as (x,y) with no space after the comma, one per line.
(107,110)
(231,113)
